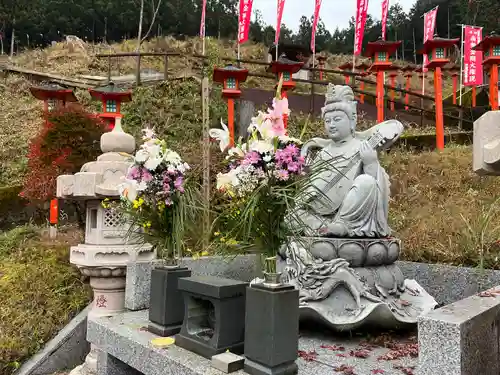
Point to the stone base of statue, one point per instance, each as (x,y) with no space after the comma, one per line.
(364,288)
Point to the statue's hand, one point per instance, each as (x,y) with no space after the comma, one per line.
(368,154)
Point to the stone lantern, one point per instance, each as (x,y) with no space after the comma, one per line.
(231,77)
(321,65)
(379,52)
(408,74)
(437,51)
(108,245)
(346,68)
(112,98)
(54,96)
(490,46)
(285,68)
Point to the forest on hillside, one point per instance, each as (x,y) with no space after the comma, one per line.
(38,22)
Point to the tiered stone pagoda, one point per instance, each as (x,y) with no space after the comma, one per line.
(109,244)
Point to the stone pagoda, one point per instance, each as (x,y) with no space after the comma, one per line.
(108,245)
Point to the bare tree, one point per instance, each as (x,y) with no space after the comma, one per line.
(155,7)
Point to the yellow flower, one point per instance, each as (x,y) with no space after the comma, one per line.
(138,203)
(232,241)
(197,256)
(223,239)
(216,234)
(147,224)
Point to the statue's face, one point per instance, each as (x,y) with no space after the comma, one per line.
(337,125)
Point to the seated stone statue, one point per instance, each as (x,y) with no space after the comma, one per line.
(341,257)
(348,194)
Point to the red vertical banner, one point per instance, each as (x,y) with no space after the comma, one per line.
(429,26)
(473,60)
(315,25)
(279,14)
(361,11)
(385,10)
(244,22)
(203,16)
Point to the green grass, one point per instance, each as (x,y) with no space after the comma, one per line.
(40,292)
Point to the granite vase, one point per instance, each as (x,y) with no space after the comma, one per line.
(166,307)
(271,329)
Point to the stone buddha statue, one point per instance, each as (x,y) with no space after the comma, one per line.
(348,192)
(341,257)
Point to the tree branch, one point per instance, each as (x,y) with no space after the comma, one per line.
(152,20)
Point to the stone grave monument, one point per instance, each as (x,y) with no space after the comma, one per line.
(342,258)
(108,246)
(486,144)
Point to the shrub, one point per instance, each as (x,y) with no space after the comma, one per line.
(40,292)
(69,139)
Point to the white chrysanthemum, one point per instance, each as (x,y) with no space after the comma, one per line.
(141,156)
(172,157)
(153,163)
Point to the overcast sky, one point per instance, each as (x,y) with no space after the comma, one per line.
(334,13)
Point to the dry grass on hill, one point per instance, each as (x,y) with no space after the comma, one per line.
(71,59)
(441,210)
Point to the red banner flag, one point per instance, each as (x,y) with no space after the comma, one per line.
(385,10)
(315,25)
(203,15)
(245,16)
(281,6)
(429,26)
(361,11)
(473,60)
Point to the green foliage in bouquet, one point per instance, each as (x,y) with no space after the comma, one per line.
(157,198)
(265,175)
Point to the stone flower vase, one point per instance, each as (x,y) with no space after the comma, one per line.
(166,307)
(271,325)
(272,278)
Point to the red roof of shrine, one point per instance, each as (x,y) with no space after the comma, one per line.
(363,66)
(409,68)
(111,92)
(434,43)
(230,71)
(53,91)
(285,65)
(381,46)
(487,42)
(419,69)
